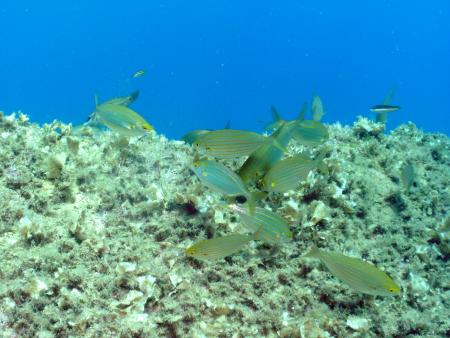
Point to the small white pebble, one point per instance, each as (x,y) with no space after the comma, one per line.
(418,283)
(125,267)
(359,324)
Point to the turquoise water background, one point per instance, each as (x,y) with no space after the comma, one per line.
(208,62)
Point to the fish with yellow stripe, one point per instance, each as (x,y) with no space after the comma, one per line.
(290,172)
(192,136)
(218,177)
(139,73)
(310,133)
(219,247)
(121,100)
(317,108)
(307,132)
(262,159)
(232,143)
(358,274)
(120,119)
(271,228)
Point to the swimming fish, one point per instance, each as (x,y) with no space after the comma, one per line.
(139,73)
(267,225)
(87,129)
(290,172)
(218,177)
(121,119)
(311,133)
(317,108)
(231,143)
(265,156)
(384,108)
(218,247)
(123,100)
(381,110)
(277,120)
(262,159)
(192,136)
(360,275)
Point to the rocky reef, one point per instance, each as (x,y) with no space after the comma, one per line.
(93,231)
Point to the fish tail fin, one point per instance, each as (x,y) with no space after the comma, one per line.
(389,96)
(250,204)
(313,252)
(96,100)
(133,96)
(275,114)
(258,234)
(257,196)
(253,198)
(321,155)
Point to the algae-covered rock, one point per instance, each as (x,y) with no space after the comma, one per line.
(93,231)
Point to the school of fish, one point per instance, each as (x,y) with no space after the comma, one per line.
(264,172)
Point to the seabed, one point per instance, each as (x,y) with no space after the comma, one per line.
(93,231)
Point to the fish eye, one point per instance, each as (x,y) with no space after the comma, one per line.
(241,199)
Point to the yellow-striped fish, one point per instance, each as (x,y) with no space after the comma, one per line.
(123,100)
(263,158)
(290,172)
(317,108)
(216,176)
(267,225)
(220,178)
(121,119)
(277,122)
(192,136)
(139,73)
(218,247)
(311,133)
(360,275)
(231,143)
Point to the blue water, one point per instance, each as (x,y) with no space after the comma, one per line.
(209,62)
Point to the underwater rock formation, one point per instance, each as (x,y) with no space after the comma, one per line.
(93,231)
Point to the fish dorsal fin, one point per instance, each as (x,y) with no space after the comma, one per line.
(301,114)
(275,114)
(389,96)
